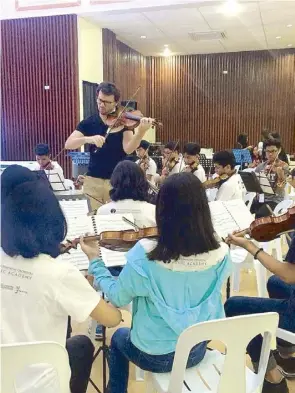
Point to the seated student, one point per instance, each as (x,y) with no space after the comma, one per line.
(281,288)
(277,172)
(274,135)
(46,291)
(191,155)
(43,161)
(172,160)
(129,194)
(146,163)
(173,282)
(232,187)
(242,142)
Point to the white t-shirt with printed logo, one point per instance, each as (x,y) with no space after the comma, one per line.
(38,295)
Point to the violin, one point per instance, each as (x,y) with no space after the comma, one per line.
(125,117)
(191,167)
(144,163)
(215,183)
(268,228)
(114,240)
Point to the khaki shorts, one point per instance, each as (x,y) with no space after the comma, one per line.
(99,189)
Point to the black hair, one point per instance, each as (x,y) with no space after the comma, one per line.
(172,146)
(272,142)
(42,149)
(224,158)
(192,149)
(275,135)
(128,182)
(109,89)
(13,176)
(144,144)
(243,140)
(183,219)
(31,218)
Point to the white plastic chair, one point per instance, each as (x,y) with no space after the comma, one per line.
(249,198)
(285,335)
(218,373)
(16,357)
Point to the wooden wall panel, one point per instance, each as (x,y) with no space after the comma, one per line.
(125,67)
(197,102)
(38,52)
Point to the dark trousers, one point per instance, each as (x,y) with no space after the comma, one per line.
(122,351)
(282,301)
(80,350)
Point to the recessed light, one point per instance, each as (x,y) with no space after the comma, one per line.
(143,37)
(278,37)
(289,45)
(289,25)
(225,72)
(167,51)
(231,8)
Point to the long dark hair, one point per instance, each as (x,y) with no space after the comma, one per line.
(183,219)
(128,182)
(31,218)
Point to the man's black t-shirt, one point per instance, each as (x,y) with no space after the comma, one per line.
(104,159)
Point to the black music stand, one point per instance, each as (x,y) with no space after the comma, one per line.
(105,358)
(256,183)
(207,164)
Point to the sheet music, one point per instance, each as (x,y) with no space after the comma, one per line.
(113,222)
(74,208)
(229,216)
(113,258)
(264,183)
(77,226)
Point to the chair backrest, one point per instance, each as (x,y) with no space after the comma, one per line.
(235,333)
(16,357)
(283,206)
(286,335)
(248,199)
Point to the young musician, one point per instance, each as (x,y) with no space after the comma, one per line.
(277,172)
(185,256)
(232,186)
(191,155)
(146,163)
(242,142)
(43,161)
(38,292)
(172,160)
(105,151)
(281,288)
(129,194)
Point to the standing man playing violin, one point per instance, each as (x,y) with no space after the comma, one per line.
(105,152)
(191,155)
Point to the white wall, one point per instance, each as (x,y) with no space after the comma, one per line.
(90,55)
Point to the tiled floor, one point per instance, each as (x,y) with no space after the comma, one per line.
(248,287)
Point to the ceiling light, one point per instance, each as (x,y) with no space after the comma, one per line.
(289,45)
(289,25)
(225,72)
(167,52)
(278,37)
(143,37)
(166,46)
(231,8)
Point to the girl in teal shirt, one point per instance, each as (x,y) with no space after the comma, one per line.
(173,282)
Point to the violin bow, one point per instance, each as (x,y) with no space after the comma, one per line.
(122,112)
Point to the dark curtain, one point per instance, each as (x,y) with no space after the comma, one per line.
(89,99)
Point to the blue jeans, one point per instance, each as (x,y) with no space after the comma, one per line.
(282,301)
(122,351)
